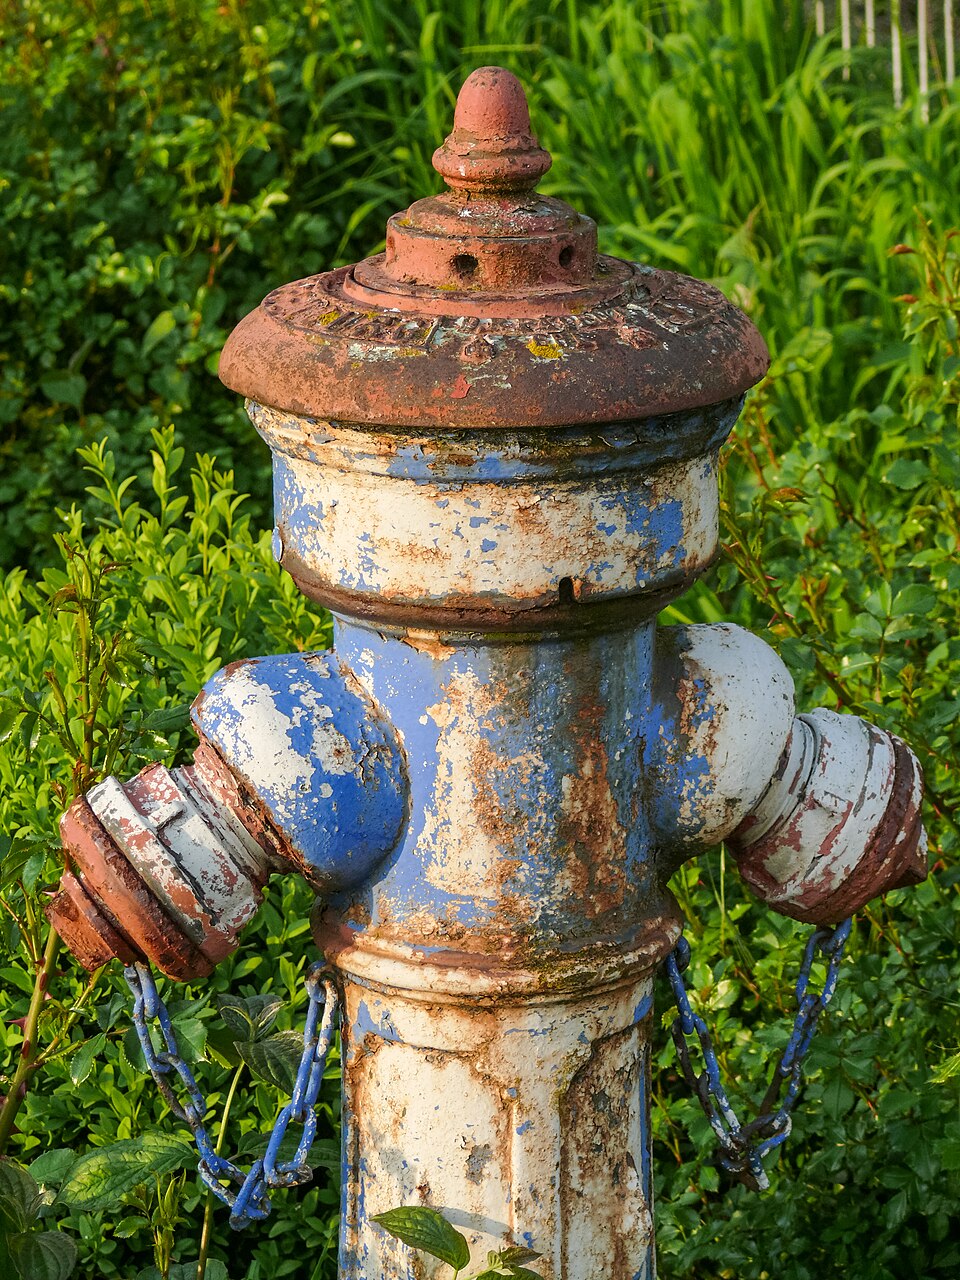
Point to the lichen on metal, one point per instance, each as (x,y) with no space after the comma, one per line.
(495,460)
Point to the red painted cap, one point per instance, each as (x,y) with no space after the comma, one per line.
(492,308)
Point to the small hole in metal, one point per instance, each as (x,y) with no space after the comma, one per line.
(465,265)
(565,590)
(566,256)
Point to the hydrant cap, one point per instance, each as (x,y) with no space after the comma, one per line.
(491,307)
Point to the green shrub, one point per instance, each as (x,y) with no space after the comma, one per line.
(845,546)
(166,164)
(99,661)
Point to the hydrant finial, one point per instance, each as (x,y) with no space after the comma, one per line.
(492,146)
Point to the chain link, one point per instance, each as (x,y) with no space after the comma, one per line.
(251,1202)
(743,1146)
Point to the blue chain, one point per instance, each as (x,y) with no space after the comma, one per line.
(251,1202)
(743,1146)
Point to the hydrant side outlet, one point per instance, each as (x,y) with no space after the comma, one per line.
(316,761)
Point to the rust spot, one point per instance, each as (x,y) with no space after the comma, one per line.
(579,337)
(112,883)
(91,938)
(428,642)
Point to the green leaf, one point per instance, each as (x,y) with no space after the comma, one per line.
(907,473)
(513,1255)
(220,1047)
(43,1255)
(168,719)
(64,387)
(250,1017)
(914,599)
(101,1177)
(82,1061)
(946,1070)
(837,1098)
(52,1167)
(275,1059)
(128,1227)
(191,1036)
(14,856)
(19,1196)
(159,328)
(10,713)
(427,1230)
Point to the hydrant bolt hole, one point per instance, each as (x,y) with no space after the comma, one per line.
(465,265)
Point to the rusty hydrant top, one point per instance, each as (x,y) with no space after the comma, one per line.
(491,307)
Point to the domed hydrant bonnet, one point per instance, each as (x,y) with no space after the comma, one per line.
(495,457)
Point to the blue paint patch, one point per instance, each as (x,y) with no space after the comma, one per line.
(488,545)
(642,1009)
(562,697)
(275,721)
(522,1128)
(659,528)
(681,777)
(367,1024)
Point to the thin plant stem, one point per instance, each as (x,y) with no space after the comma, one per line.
(208,1204)
(28,1050)
(75,1011)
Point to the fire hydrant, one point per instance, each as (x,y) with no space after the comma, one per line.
(495,461)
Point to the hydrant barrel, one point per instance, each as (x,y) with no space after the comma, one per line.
(495,461)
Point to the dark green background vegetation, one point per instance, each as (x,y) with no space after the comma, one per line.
(163,163)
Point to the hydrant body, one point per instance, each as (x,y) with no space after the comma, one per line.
(495,461)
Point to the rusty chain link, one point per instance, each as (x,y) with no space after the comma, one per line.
(743,1146)
(251,1202)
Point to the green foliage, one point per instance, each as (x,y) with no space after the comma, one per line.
(853,567)
(98,1179)
(163,165)
(428,1231)
(26,1250)
(99,660)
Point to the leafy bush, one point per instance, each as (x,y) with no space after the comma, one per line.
(164,166)
(100,660)
(845,545)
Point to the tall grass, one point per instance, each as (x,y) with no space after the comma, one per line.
(149,145)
